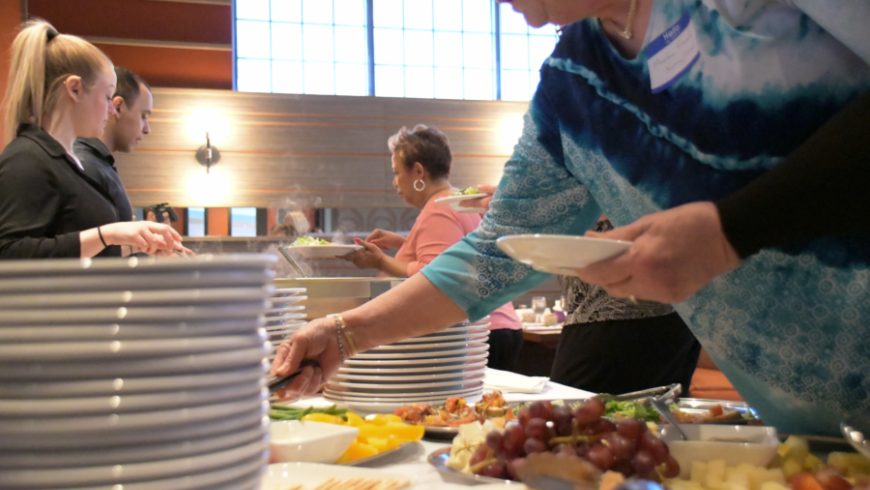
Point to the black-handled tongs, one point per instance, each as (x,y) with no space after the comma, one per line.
(277,383)
(668,392)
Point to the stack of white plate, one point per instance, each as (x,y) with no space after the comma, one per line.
(425,369)
(133,373)
(284,317)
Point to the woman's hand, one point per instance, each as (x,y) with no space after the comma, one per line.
(318,341)
(675,253)
(483,202)
(147,236)
(386,239)
(370,257)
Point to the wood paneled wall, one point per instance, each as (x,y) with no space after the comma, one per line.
(322,151)
(169,43)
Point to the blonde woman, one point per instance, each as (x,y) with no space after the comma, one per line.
(60,88)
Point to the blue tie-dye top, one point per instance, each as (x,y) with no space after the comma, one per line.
(790,327)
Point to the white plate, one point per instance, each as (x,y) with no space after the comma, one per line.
(170,297)
(324,251)
(560,254)
(282,310)
(431,346)
(477,337)
(402,363)
(132,314)
(434,397)
(387,374)
(380,389)
(284,301)
(122,368)
(289,291)
(284,475)
(136,453)
(130,386)
(453,202)
(403,395)
(391,380)
(367,407)
(135,282)
(473,330)
(101,432)
(466,350)
(131,472)
(243,475)
(133,265)
(124,349)
(118,404)
(54,333)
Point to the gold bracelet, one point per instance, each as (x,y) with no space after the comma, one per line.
(351,346)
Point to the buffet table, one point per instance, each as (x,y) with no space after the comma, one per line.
(411,459)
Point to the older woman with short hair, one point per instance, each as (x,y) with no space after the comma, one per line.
(421,163)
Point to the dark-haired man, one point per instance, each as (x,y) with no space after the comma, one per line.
(132,102)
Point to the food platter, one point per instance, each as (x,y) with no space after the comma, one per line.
(438,459)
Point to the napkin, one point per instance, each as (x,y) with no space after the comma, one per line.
(508,382)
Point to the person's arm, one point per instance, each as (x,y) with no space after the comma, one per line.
(372,257)
(537,194)
(819,190)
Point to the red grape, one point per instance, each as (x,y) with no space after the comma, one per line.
(565,449)
(643,463)
(533,445)
(631,428)
(479,455)
(542,409)
(672,469)
(623,467)
(652,444)
(513,466)
(514,437)
(494,439)
(495,470)
(621,446)
(589,411)
(600,456)
(537,429)
(601,426)
(524,416)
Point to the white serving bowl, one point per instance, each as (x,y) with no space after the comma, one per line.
(309,442)
(704,444)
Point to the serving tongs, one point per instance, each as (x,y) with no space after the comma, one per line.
(289,257)
(668,392)
(278,383)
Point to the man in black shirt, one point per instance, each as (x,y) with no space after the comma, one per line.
(133,103)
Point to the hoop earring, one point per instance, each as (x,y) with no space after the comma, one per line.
(422,185)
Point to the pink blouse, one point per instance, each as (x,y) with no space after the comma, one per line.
(436,229)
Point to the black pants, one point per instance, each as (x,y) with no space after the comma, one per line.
(504,348)
(619,356)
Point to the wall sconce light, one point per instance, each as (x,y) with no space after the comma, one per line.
(208,155)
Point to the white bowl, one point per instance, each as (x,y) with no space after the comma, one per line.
(309,442)
(708,442)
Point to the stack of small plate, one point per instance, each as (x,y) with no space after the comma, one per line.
(425,369)
(133,373)
(285,316)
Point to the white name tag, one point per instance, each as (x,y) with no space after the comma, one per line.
(670,55)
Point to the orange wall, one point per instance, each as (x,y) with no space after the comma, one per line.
(218,222)
(149,20)
(10,20)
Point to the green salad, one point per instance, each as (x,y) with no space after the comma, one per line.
(468,191)
(306,241)
(643,411)
(280,412)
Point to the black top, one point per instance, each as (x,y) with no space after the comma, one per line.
(99,165)
(819,190)
(46,200)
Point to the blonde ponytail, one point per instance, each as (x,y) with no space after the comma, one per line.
(41,61)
